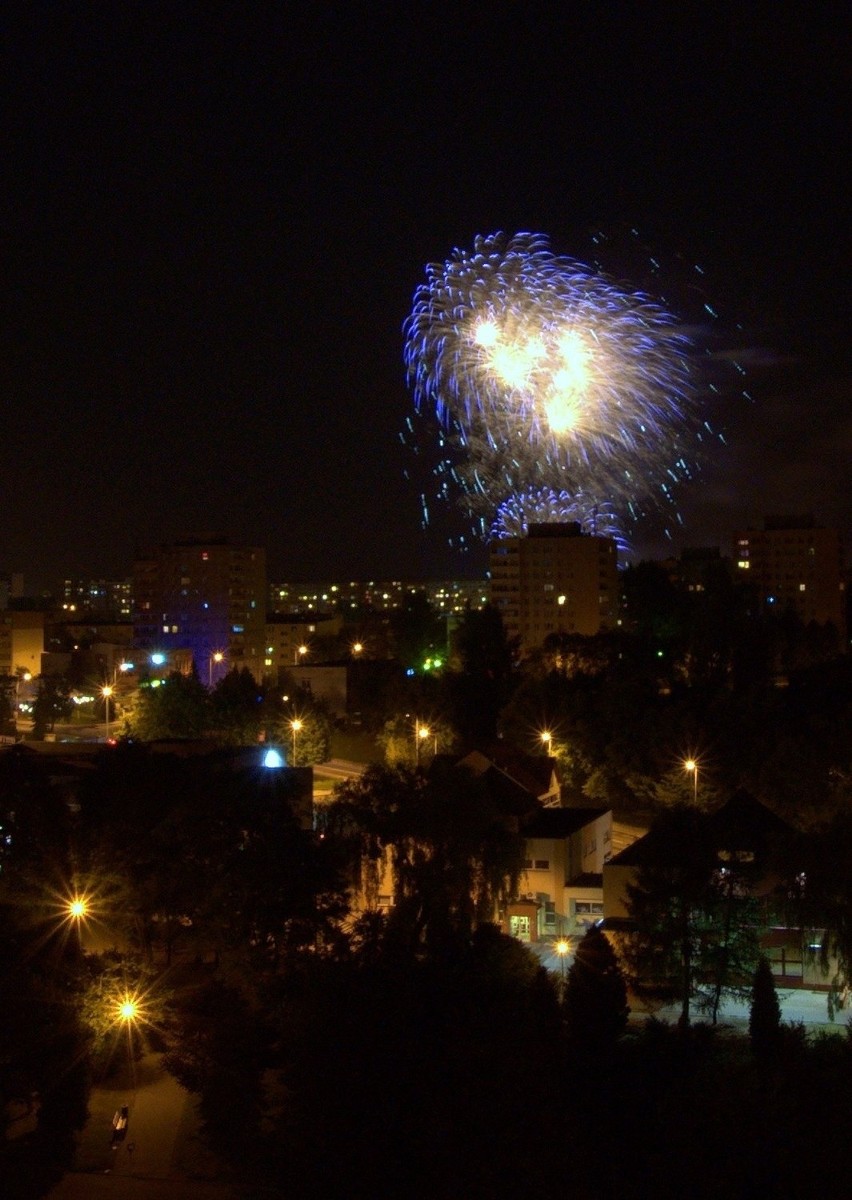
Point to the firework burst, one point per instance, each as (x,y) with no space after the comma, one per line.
(543,506)
(549,381)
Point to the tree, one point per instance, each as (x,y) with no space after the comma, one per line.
(8,688)
(453,857)
(52,704)
(237,708)
(678,787)
(764,1019)
(595,1002)
(403,745)
(305,731)
(178,708)
(217,1048)
(482,685)
(696,923)
(419,632)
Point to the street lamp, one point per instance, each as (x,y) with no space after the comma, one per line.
(77,909)
(106,692)
(546,739)
(295,725)
(300,654)
(562,947)
(691,767)
(128,1008)
(421,732)
(216,657)
(357,647)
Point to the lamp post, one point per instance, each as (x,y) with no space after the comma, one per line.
(77,910)
(106,692)
(295,725)
(299,654)
(546,739)
(421,732)
(691,767)
(216,657)
(562,947)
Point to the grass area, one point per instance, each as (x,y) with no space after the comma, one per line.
(356,745)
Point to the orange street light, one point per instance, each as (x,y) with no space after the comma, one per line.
(295,725)
(691,767)
(128,1008)
(421,732)
(562,948)
(106,691)
(216,657)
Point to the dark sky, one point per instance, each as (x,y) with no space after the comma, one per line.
(215,216)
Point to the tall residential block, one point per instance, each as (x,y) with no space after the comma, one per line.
(793,563)
(205,595)
(554,580)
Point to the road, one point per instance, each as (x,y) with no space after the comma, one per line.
(340,768)
(161,1157)
(797,1004)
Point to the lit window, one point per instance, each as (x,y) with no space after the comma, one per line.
(743,564)
(802,587)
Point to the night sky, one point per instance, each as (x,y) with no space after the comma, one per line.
(215,216)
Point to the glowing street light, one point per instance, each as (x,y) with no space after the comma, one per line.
(106,691)
(421,733)
(295,725)
(216,657)
(562,948)
(546,739)
(691,767)
(128,1008)
(76,911)
(299,655)
(357,647)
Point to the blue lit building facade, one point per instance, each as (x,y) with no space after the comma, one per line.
(205,597)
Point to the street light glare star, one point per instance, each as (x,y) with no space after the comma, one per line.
(128,1008)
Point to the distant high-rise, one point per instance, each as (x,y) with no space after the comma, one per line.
(205,595)
(793,563)
(555,580)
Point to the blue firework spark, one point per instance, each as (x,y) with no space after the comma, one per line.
(544,506)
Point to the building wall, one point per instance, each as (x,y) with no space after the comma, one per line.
(792,563)
(206,595)
(552,863)
(555,580)
(284,635)
(21,642)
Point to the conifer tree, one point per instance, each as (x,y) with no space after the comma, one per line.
(595,1002)
(764,1022)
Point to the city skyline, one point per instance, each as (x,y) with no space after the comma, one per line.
(216,228)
